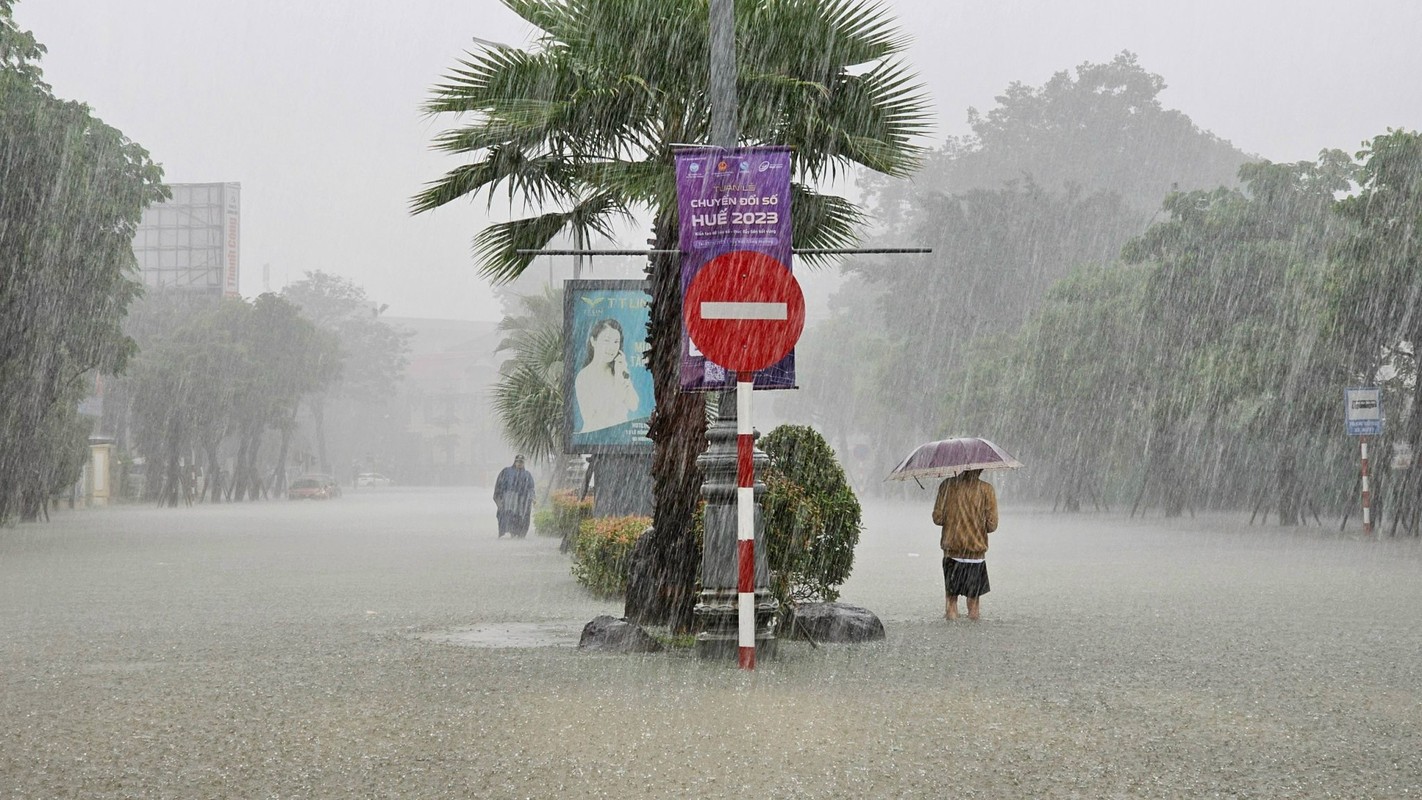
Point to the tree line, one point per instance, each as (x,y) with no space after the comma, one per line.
(1183,355)
(188,383)
(215,381)
(73,192)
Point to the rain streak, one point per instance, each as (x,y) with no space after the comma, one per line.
(709,398)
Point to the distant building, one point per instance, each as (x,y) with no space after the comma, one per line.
(445,404)
(192,242)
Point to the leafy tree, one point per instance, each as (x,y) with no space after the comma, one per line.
(1063,393)
(585,125)
(73,192)
(529,395)
(181,397)
(995,254)
(1053,178)
(210,370)
(1377,290)
(373,353)
(1238,318)
(1103,130)
(287,358)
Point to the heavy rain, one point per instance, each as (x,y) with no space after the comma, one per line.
(375,382)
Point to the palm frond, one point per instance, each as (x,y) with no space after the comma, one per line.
(497,248)
(822,221)
(814,40)
(525,402)
(636,183)
(542,179)
(870,119)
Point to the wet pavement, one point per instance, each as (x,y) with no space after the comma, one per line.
(387,644)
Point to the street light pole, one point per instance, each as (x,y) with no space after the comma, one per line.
(717,613)
(722,80)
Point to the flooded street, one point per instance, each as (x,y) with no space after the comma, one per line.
(312,650)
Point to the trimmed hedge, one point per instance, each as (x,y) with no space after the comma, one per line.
(562,516)
(603,550)
(811,516)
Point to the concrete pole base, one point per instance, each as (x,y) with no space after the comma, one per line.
(718,625)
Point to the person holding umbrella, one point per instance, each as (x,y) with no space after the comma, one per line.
(966,511)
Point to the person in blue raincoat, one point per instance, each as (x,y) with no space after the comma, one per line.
(513,496)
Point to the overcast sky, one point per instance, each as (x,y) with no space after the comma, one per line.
(313,105)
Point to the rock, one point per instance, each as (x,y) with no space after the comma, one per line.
(833,622)
(610,634)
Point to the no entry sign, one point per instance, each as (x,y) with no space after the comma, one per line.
(744,310)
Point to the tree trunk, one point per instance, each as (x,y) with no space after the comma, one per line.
(172,470)
(1288,485)
(661,586)
(256,488)
(279,474)
(318,416)
(214,471)
(234,486)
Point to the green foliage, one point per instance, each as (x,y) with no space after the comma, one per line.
(604,551)
(73,190)
(1053,178)
(582,128)
(1374,295)
(586,120)
(563,515)
(528,398)
(373,352)
(1205,370)
(811,516)
(207,370)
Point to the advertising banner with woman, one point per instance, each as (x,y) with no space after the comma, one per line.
(607,390)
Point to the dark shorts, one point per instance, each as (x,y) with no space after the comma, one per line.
(969,580)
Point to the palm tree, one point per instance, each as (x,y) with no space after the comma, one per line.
(585,123)
(528,398)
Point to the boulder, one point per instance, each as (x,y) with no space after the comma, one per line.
(833,622)
(612,635)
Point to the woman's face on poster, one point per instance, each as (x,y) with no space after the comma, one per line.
(606,345)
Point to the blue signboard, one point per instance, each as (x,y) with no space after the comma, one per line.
(1362,411)
(607,390)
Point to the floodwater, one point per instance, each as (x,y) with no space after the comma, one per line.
(353,648)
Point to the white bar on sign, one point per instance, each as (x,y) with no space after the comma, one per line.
(721,310)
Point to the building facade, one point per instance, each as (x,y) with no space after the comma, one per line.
(192,242)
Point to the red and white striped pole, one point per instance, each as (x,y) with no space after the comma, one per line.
(1367,504)
(745,521)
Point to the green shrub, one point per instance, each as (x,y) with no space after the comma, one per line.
(562,516)
(811,516)
(603,550)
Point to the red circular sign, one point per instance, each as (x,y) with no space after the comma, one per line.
(744,310)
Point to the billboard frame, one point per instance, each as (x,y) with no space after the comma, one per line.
(585,304)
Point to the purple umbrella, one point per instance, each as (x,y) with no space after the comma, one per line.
(948,457)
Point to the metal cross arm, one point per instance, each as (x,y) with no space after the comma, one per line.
(808,251)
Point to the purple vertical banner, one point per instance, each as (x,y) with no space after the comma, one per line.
(730,200)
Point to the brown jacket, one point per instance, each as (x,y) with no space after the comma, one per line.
(966,509)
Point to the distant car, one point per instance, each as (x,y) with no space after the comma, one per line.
(313,487)
(373,479)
